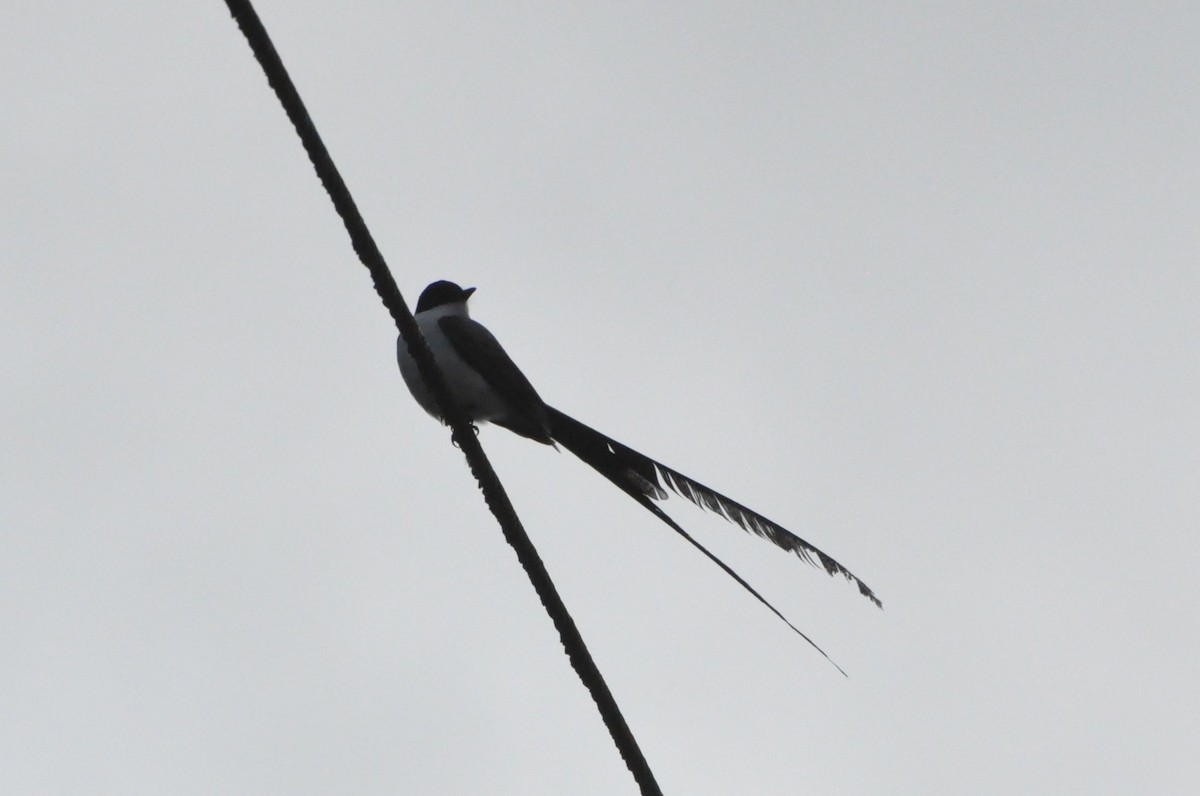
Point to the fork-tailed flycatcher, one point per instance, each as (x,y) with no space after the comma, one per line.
(490,388)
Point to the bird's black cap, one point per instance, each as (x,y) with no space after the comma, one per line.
(442,292)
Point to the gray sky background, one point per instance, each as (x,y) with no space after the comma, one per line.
(920,282)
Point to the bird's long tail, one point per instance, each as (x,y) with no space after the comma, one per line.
(641,478)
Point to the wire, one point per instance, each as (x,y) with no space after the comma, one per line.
(463,434)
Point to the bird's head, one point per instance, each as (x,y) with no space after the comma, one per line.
(441,293)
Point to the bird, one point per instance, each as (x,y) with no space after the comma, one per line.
(488,387)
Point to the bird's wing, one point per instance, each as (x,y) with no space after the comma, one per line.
(482,351)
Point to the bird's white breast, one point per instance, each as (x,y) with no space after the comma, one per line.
(468,388)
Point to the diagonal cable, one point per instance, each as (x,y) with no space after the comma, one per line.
(463,433)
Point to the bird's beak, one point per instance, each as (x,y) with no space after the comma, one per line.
(467,293)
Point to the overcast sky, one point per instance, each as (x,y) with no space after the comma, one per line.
(919,282)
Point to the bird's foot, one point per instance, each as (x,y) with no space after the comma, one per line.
(474,428)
